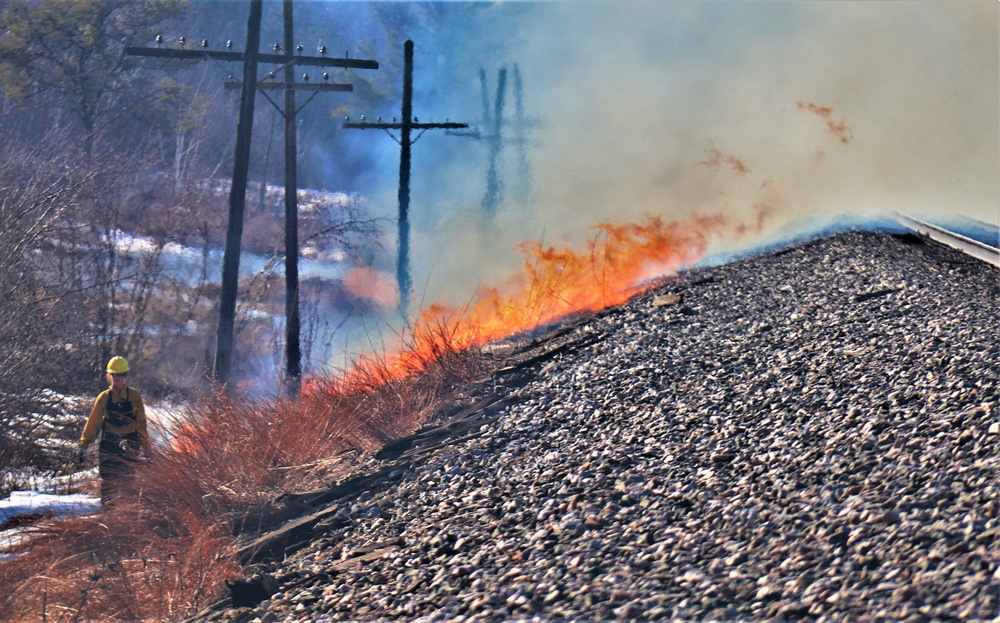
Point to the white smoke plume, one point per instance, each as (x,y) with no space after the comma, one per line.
(814,110)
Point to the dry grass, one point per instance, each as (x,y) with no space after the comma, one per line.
(166,553)
(132,563)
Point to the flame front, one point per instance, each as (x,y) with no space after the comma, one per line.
(555,281)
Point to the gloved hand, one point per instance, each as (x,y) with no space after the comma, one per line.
(80,450)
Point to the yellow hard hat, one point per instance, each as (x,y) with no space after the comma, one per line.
(117,365)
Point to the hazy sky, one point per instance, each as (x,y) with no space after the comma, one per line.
(806,110)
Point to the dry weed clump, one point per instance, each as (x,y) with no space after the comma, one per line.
(164,552)
(131,563)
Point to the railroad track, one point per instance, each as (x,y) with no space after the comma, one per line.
(966,245)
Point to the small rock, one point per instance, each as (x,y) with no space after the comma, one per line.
(666,300)
(768,591)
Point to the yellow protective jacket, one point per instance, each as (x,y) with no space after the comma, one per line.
(98,415)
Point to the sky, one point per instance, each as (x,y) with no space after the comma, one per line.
(802,111)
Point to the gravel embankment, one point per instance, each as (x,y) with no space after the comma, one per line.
(807,434)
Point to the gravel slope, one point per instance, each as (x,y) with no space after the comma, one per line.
(806,434)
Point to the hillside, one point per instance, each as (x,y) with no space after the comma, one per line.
(812,432)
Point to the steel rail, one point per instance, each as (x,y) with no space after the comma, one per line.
(966,245)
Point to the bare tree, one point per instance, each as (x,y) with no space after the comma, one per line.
(70,55)
(43,335)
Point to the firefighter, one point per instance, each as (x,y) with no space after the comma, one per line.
(120,418)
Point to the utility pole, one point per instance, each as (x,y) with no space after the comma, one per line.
(494,191)
(237,199)
(406,126)
(250,58)
(293,349)
(495,129)
(522,189)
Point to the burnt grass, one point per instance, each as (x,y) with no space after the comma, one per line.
(806,434)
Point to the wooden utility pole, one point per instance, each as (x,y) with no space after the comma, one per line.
(494,190)
(522,189)
(293,349)
(406,126)
(495,128)
(250,58)
(237,199)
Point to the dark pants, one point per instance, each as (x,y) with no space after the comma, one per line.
(117,457)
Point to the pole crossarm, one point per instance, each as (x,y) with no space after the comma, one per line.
(218,55)
(364,125)
(295,86)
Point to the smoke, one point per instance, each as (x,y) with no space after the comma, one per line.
(809,110)
(780,117)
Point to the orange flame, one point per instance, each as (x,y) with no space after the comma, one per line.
(613,266)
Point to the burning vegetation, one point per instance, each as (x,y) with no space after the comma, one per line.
(618,262)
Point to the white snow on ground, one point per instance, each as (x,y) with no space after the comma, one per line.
(44,491)
(36,502)
(33,503)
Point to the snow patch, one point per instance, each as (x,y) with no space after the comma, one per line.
(22,503)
